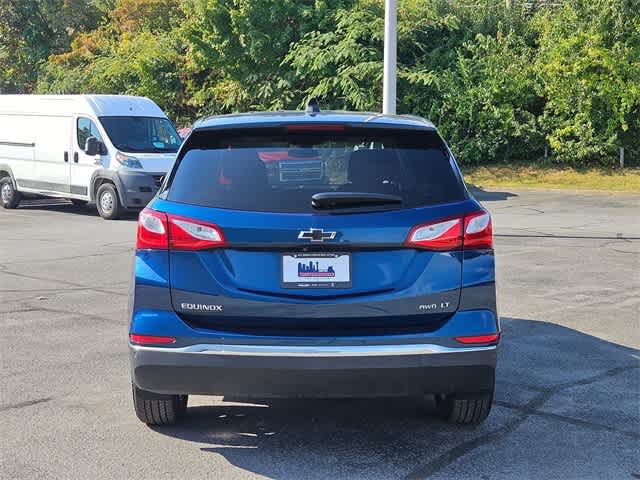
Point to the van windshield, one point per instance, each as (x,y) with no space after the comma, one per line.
(142,134)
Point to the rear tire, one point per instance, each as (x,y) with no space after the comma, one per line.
(108,202)
(465,411)
(158,409)
(9,196)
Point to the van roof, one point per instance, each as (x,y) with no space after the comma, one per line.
(99,105)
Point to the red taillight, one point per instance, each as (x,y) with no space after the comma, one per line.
(159,231)
(443,235)
(478,232)
(188,234)
(449,234)
(152,230)
(479,339)
(148,339)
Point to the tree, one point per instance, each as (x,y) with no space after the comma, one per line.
(135,52)
(343,65)
(499,82)
(235,50)
(589,63)
(478,87)
(31,30)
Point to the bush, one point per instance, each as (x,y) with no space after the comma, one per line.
(500,82)
(485,103)
(589,64)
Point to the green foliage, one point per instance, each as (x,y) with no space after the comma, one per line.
(502,80)
(589,64)
(135,53)
(235,50)
(478,89)
(499,82)
(343,66)
(31,30)
(485,101)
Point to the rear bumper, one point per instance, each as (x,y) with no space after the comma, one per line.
(315,371)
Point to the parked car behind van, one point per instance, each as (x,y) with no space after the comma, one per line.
(109,149)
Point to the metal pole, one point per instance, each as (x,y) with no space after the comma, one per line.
(621,157)
(390,54)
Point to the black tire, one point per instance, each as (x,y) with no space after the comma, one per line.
(9,196)
(467,410)
(78,203)
(108,202)
(156,409)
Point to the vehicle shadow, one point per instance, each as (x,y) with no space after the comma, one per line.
(65,206)
(489,196)
(539,363)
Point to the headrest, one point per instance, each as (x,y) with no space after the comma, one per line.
(373,167)
(242,167)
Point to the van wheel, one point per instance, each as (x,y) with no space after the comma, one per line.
(157,409)
(9,196)
(465,411)
(78,203)
(108,203)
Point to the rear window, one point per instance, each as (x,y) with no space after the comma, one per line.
(273,170)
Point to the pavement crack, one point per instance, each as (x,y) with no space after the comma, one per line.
(67,289)
(570,237)
(594,378)
(28,403)
(563,418)
(83,364)
(75,257)
(93,316)
(20,310)
(453,454)
(80,314)
(537,210)
(525,411)
(62,282)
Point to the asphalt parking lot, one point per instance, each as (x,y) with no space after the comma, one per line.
(568,392)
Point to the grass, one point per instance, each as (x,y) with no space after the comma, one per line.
(528,176)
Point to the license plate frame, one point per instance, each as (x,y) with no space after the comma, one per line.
(291,276)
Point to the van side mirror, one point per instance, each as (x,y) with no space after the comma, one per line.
(92,146)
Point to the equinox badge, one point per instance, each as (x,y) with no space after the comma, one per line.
(316,235)
(202,307)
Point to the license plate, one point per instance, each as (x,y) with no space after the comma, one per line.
(316,270)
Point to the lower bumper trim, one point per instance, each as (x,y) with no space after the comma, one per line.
(324,351)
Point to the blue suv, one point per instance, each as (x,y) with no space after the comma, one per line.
(322,254)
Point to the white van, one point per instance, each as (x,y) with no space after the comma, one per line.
(109,149)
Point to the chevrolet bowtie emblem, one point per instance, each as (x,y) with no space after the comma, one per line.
(316,235)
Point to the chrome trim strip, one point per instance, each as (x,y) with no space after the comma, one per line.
(311,351)
(17,144)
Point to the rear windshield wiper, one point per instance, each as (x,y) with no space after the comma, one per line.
(327,200)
